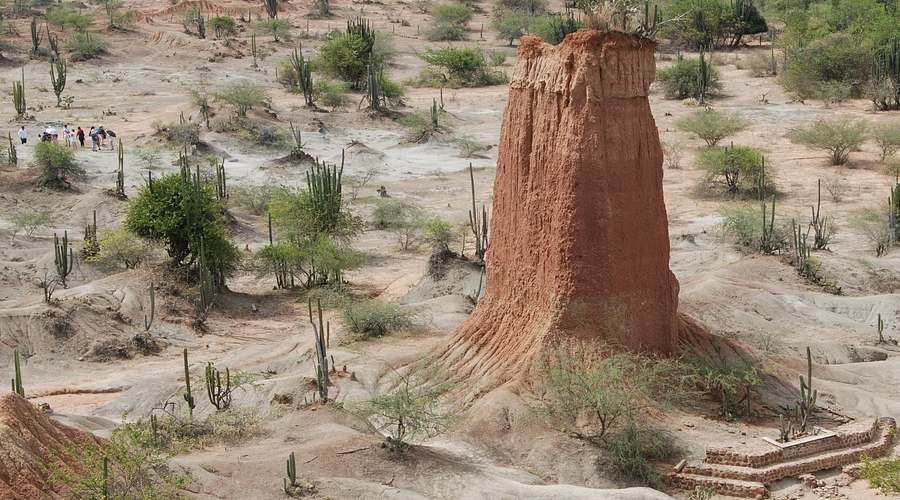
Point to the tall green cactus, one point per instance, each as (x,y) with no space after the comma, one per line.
(105,479)
(17,386)
(801,250)
(290,482)
(819,223)
(767,240)
(886,70)
(253,51)
(188,396)
(219,394)
(11,153)
(323,183)
(18,96)
(271,8)
(58,71)
(53,42)
(478,225)
(321,335)
(807,403)
(35,38)
(374,91)
(120,173)
(650,21)
(297,147)
(90,243)
(148,321)
(63,256)
(880,330)
(704,77)
(221,186)
(435,114)
(303,70)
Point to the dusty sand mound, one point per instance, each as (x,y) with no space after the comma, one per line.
(29,440)
(579,240)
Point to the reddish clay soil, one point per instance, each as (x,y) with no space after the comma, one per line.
(579,240)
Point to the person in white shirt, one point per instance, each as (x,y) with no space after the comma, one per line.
(67,136)
(23,135)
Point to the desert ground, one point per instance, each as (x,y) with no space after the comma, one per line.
(77,358)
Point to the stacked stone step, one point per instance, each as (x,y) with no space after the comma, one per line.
(745,475)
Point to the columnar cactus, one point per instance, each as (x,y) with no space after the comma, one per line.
(17,386)
(64,257)
(807,403)
(188,396)
(321,333)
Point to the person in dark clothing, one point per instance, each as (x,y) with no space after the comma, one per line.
(80,134)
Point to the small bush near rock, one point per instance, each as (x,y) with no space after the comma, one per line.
(837,137)
(57,164)
(883,474)
(374,318)
(712,126)
(680,80)
(83,46)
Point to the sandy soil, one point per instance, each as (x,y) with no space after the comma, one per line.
(758,301)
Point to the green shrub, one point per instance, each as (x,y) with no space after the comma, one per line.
(680,80)
(509,24)
(331,94)
(30,220)
(410,410)
(553,28)
(243,96)
(223,26)
(633,448)
(420,127)
(57,164)
(254,198)
(712,126)
(83,46)
(310,262)
(171,214)
(137,467)
(837,61)
(461,67)
(403,218)
(182,134)
(838,137)
(731,385)
(743,222)
(887,136)
(883,474)
(875,225)
(374,318)
(297,218)
(738,168)
(346,56)
(66,16)
(712,23)
(438,233)
(121,247)
(278,28)
(529,7)
(449,22)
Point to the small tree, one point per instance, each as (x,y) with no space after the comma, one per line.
(712,126)
(121,247)
(887,136)
(838,137)
(347,55)
(739,168)
(223,27)
(682,79)
(83,46)
(243,96)
(374,318)
(409,411)
(403,218)
(510,24)
(278,28)
(449,21)
(57,164)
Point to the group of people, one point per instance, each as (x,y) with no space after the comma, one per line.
(75,137)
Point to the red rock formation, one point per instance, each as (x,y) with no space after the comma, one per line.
(579,243)
(29,442)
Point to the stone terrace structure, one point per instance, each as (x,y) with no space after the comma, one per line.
(745,471)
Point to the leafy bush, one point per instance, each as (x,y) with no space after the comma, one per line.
(887,136)
(83,46)
(632,449)
(307,263)
(449,22)
(743,222)
(461,66)
(149,157)
(680,80)
(374,318)
(297,218)
(712,126)
(182,134)
(409,411)
(420,127)
(278,28)
(57,164)
(530,7)
(553,28)
(243,96)
(739,168)
(403,218)
(346,56)
(254,198)
(223,26)
(712,23)
(594,391)
(732,385)
(66,16)
(30,220)
(172,214)
(438,233)
(331,94)
(137,467)
(509,24)
(838,137)
(875,225)
(832,63)
(883,474)
(121,247)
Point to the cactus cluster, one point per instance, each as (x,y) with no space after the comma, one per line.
(58,72)
(219,393)
(63,257)
(253,51)
(35,38)
(374,90)
(90,245)
(321,334)
(221,185)
(304,76)
(886,69)
(806,405)
(290,481)
(819,223)
(704,77)
(11,154)
(649,23)
(801,258)
(478,225)
(17,386)
(120,173)
(272,8)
